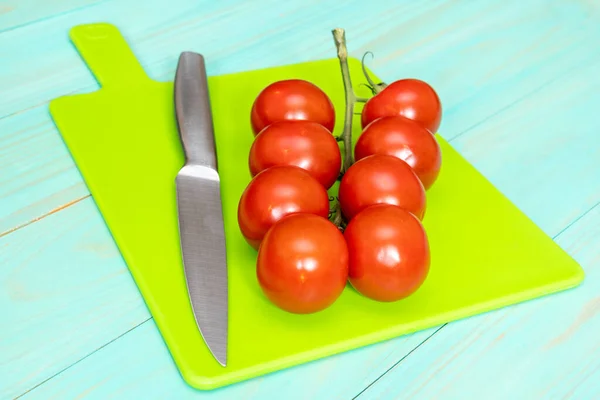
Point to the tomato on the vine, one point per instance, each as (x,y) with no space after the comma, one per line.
(389,253)
(275,193)
(292,99)
(406,139)
(380,179)
(304,260)
(411,98)
(305,144)
(302,264)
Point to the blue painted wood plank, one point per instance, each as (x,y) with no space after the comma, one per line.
(543,349)
(38,175)
(463,48)
(544,152)
(137,365)
(69,293)
(64,292)
(572,23)
(18,13)
(487,146)
(538,44)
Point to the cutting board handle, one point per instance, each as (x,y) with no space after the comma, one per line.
(107,54)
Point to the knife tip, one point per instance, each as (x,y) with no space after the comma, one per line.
(220,357)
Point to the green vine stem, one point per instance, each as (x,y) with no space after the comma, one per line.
(337,217)
(375,87)
(339,37)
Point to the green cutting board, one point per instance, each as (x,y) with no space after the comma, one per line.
(485,253)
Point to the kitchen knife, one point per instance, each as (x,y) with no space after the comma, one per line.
(199,206)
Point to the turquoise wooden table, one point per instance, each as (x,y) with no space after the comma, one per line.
(520,83)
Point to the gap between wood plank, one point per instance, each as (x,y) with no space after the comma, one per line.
(77,200)
(522,98)
(501,110)
(399,361)
(81,90)
(575,221)
(81,359)
(53,211)
(441,327)
(58,209)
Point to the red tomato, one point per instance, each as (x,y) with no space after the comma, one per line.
(388,253)
(275,193)
(292,99)
(405,139)
(381,179)
(305,144)
(411,98)
(302,264)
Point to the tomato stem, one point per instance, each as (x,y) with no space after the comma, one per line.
(375,87)
(339,36)
(337,219)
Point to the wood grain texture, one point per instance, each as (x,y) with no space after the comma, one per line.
(18,13)
(137,365)
(574,94)
(38,175)
(544,349)
(480,56)
(464,49)
(68,293)
(545,154)
(65,292)
(517,83)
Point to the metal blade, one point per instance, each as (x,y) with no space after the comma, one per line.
(204,257)
(199,205)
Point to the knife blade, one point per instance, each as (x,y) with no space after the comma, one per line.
(199,207)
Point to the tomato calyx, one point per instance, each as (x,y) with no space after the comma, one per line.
(336,216)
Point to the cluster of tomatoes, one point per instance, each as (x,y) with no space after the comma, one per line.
(374,237)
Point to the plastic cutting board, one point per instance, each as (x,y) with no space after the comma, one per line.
(486,254)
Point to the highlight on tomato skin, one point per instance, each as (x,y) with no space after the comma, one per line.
(406,139)
(274,193)
(381,179)
(292,99)
(305,144)
(411,98)
(389,254)
(302,263)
